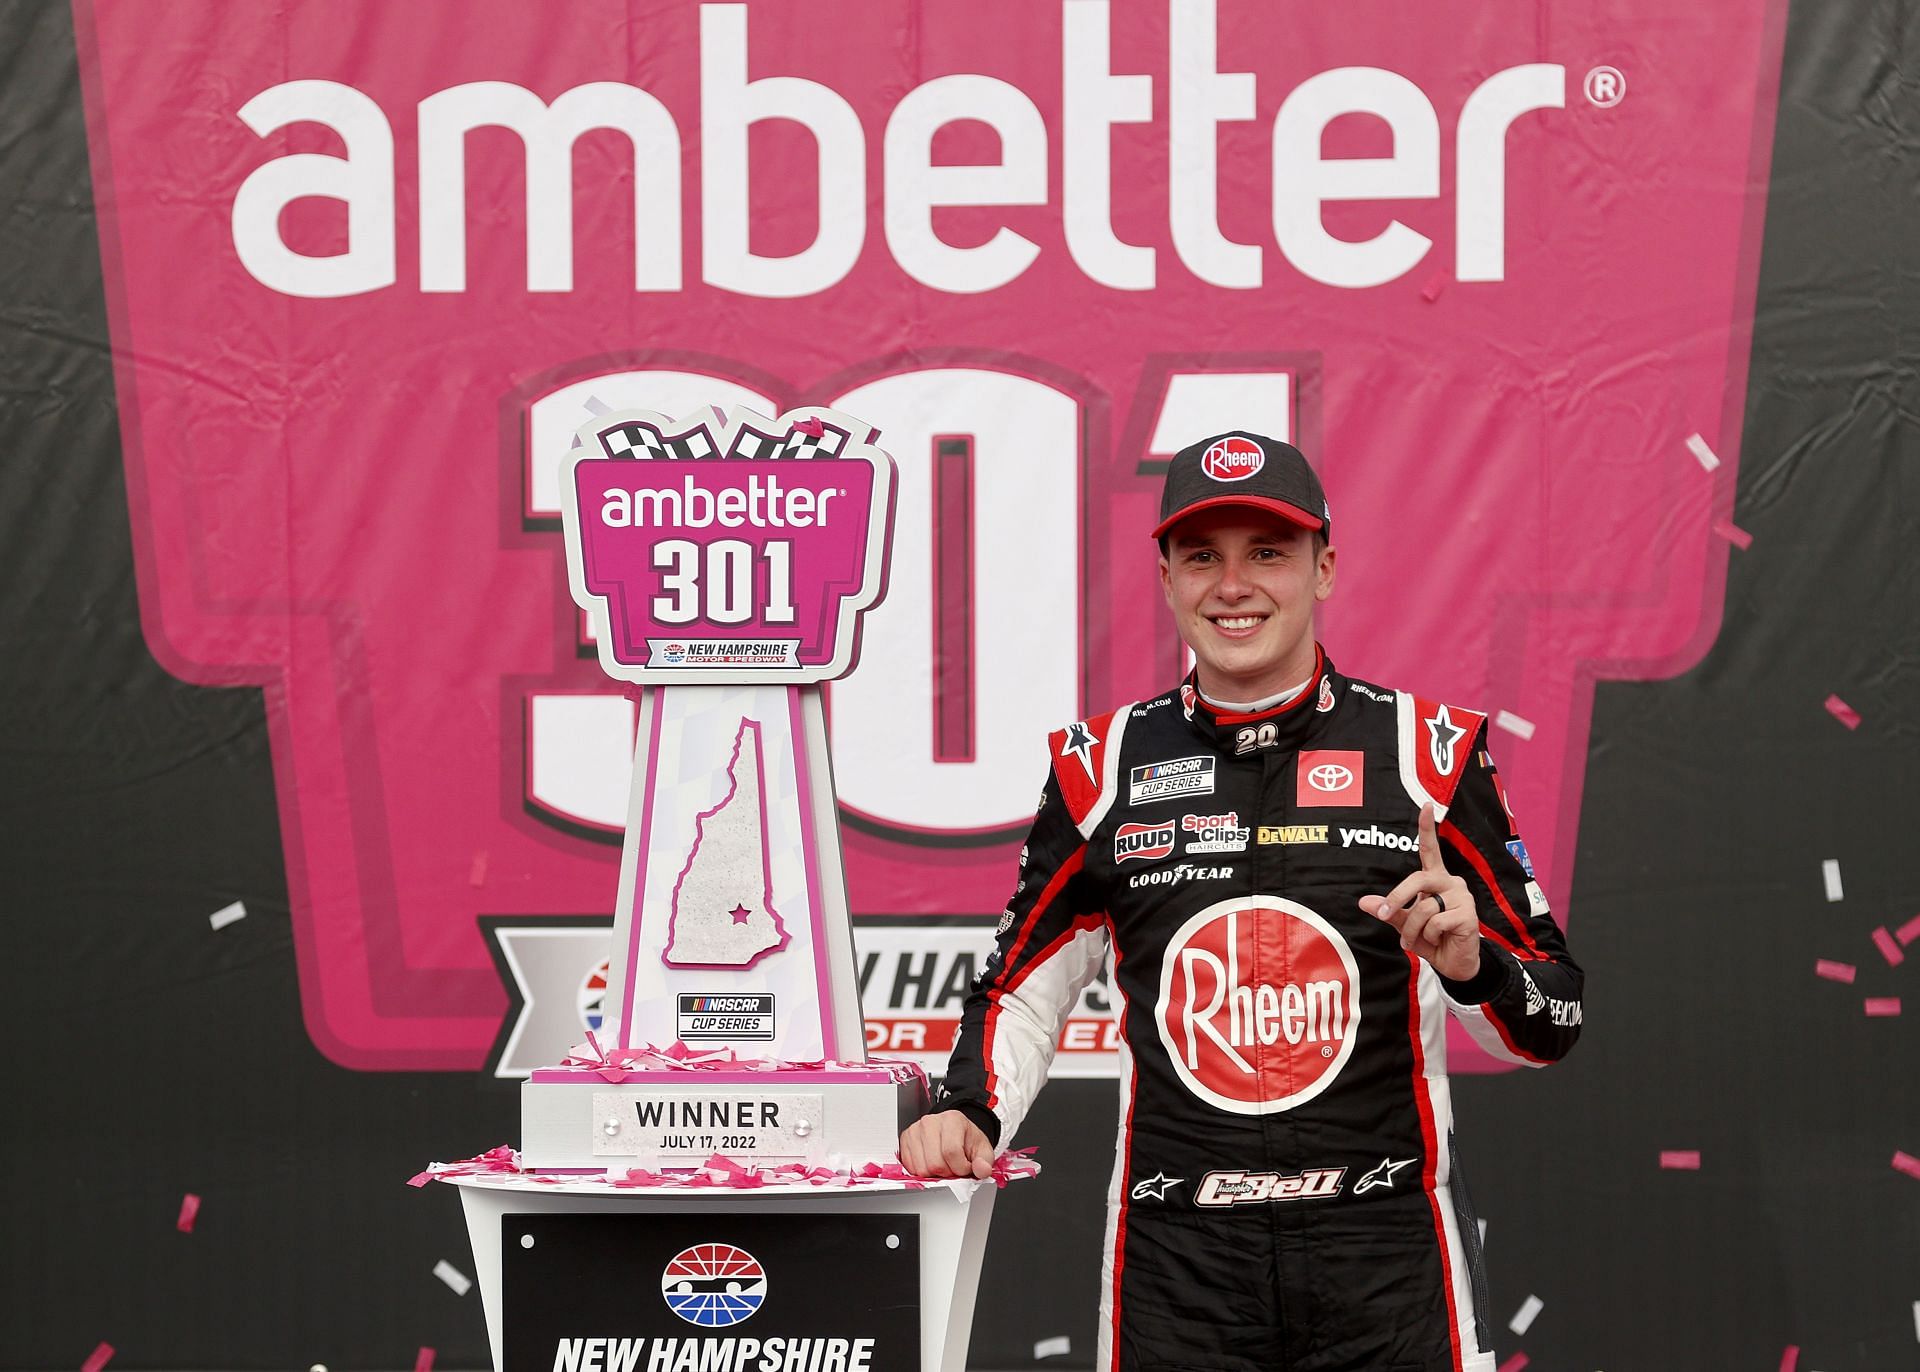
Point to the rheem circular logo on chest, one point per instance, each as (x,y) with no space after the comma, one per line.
(1259,1004)
(1233,459)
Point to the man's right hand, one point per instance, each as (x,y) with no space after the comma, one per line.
(947,1144)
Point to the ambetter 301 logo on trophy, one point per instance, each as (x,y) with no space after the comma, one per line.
(724,562)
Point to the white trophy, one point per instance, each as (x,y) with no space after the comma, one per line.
(723,1153)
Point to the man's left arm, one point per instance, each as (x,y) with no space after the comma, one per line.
(1524,1004)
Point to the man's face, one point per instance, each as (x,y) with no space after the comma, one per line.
(1242,586)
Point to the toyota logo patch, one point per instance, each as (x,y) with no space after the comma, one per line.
(1330,777)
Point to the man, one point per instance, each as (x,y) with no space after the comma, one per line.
(1298,873)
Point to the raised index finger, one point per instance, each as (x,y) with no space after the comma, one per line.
(1429,841)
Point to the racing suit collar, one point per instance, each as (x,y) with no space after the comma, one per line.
(1290,717)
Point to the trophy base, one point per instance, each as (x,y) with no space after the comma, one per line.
(575,1119)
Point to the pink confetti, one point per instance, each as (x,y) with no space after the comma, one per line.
(1906,1162)
(189,1207)
(615,1066)
(1843,712)
(1680,1159)
(477,875)
(1435,284)
(99,1358)
(1883,1007)
(1908,932)
(1514,1364)
(722,1171)
(1888,948)
(1790,1358)
(1733,533)
(1835,971)
(810,426)
(423,1360)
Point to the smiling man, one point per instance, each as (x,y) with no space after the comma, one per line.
(1300,875)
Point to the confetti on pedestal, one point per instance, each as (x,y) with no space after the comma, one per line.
(1680,1159)
(596,407)
(189,1208)
(1698,447)
(1435,284)
(457,1281)
(226,915)
(1790,1357)
(477,874)
(1529,1311)
(1916,1321)
(1906,1162)
(1908,932)
(423,1360)
(1883,1007)
(1513,724)
(1733,533)
(1057,1346)
(1830,875)
(1888,948)
(1843,712)
(1514,1364)
(1483,1233)
(99,1358)
(1835,971)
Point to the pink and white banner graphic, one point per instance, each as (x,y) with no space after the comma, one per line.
(370,267)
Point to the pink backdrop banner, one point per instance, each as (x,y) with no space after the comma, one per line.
(1495,277)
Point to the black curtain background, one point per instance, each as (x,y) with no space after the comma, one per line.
(132,805)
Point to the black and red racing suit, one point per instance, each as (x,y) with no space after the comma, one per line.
(1285,1192)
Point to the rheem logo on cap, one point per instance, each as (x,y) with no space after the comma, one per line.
(1233,459)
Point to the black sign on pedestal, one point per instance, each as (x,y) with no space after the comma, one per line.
(710,1292)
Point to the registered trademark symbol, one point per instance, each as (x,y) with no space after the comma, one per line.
(1606,87)
(1326,1050)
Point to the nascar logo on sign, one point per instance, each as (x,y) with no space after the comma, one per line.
(713,1285)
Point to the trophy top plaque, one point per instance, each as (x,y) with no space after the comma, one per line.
(727,547)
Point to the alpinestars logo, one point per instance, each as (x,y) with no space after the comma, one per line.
(1381,1177)
(1080,743)
(1155,1186)
(1442,735)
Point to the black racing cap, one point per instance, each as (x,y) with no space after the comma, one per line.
(1241,468)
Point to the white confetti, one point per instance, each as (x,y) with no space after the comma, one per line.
(1830,873)
(1698,447)
(1054,1347)
(457,1281)
(1916,1321)
(1513,724)
(1528,1313)
(1483,1232)
(227,914)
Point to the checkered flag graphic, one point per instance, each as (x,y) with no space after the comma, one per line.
(753,443)
(645,441)
(827,443)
